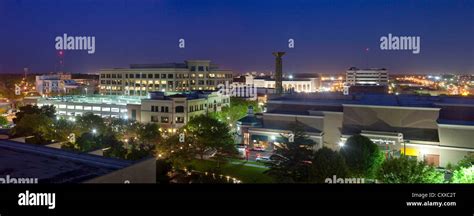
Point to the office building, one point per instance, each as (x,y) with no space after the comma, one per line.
(140,79)
(53,84)
(295,83)
(175,110)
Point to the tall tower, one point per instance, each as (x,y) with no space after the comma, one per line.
(278,72)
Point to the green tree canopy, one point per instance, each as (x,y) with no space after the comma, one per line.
(204,133)
(463,175)
(408,170)
(47,110)
(62,129)
(89,141)
(238,109)
(464,170)
(362,156)
(296,167)
(3,121)
(88,122)
(39,126)
(327,163)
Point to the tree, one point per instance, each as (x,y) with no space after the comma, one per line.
(39,126)
(204,133)
(162,169)
(47,110)
(408,170)
(463,175)
(362,156)
(464,170)
(88,142)
(296,165)
(328,163)
(90,122)
(238,109)
(63,129)
(149,135)
(179,154)
(3,121)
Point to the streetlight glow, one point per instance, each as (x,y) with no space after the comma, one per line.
(341,143)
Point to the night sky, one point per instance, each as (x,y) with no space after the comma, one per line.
(330,35)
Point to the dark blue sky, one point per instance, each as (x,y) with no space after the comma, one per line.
(330,35)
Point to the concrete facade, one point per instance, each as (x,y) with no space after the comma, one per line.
(140,79)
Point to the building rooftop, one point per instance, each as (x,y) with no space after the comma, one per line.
(162,65)
(51,165)
(190,95)
(374,99)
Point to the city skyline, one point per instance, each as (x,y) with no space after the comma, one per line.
(330,36)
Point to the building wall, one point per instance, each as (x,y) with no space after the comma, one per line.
(382,118)
(356,76)
(76,109)
(53,83)
(140,172)
(332,129)
(191,108)
(140,81)
(457,136)
(309,85)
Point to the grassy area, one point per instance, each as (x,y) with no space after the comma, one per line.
(247,162)
(244,173)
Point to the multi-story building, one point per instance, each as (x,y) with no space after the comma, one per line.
(170,110)
(439,130)
(297,82)
(59,83)
(140,79)
(174,111)
(373,76)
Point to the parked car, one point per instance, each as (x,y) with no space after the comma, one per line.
(265,159)
(257,148)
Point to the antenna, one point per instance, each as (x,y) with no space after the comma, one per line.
(25,70)
(367,58)
(61,60)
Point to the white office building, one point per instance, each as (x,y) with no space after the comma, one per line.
(59,83)
(140,79)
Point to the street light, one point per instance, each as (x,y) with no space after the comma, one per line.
(341,144)
(94,131)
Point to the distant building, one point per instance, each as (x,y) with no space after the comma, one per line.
(295,82)
(30,163)
(140,79)
(438,130)
(59,83)
(356,76)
